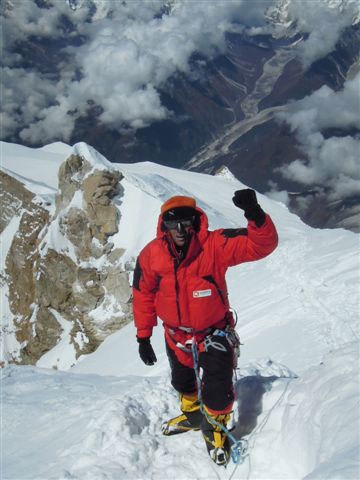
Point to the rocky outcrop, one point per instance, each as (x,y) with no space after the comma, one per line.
(70,175)
(19,275)
(65,276)
(98,188)
(44,335)
(13,197)
(22,259)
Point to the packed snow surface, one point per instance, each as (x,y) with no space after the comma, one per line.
(297,386)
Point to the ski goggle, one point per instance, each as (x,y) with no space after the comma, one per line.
(184,222)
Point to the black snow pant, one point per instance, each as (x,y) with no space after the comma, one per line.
(217,363)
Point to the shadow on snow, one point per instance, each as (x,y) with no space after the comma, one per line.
(249,392)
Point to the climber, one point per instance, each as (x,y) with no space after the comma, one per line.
(180,278)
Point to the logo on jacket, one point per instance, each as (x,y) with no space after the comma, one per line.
(201,293)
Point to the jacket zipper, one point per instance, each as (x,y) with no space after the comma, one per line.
(177,261)
(176,264)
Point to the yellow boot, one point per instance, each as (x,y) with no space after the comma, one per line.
(216,440)
(190,419)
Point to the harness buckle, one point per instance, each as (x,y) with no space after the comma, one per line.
(187,347)
(189,330)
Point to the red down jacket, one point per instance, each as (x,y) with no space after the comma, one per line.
(193,293)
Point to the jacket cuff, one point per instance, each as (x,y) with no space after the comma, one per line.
(144,333)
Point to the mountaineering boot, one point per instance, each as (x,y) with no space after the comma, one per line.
(216,440)
(190,419)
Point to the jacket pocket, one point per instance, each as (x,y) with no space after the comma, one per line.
(206,302)
(211,279)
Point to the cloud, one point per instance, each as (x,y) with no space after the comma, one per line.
(24,19)
(54,123)
(120,54)
(26,94)
(278,195)
(323,21)
(331,162)
(137,59)
(124,54)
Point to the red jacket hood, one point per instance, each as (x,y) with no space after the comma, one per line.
(203,232)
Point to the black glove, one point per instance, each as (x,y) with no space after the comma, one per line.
(146,351)
(247,201)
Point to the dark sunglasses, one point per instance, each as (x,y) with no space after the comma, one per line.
(185,222)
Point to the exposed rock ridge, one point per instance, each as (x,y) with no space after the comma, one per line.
(66,284)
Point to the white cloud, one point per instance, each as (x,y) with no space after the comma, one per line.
(332,162)
(123,68)
(324,21)
(54,123)
(25,94)
(127,52)
(23,18)
(280,196)
(326,108)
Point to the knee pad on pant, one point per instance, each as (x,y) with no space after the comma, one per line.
(182,377)
(216,360)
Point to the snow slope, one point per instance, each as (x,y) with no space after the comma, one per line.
(298,384)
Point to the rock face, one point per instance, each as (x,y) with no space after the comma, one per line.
(13,197)
(65,279)
(98,188)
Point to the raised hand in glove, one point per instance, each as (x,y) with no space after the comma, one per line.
(247,201)
(146,351)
